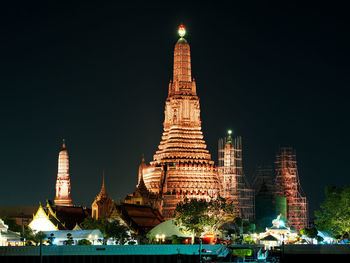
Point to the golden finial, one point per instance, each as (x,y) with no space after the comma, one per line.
(63,144)
(181,30)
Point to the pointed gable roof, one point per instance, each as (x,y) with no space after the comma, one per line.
(42,221)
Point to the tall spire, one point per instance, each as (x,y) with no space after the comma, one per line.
(63,181)
(182,165)
(103,191)
(103,204)
(141,167)
(182,58)
(182,139)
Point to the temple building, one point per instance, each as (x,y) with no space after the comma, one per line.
(63,181)
(103,205)
(53,217)
(141,195)
(182,165)
(45,221)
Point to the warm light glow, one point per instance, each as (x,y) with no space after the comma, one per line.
(209,235)
(182,30)
(41,222)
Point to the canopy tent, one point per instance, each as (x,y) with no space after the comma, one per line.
(167,228)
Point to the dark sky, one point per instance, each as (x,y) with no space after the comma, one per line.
(97,74)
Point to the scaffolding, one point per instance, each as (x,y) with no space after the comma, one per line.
(264,174)
(288,185)
(235,187)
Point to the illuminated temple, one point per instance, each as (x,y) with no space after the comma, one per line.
(182,165)
(63,181)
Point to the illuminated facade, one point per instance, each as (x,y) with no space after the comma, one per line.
(63,181)
(42,221)
(103,204)
(53,217)
(182,165)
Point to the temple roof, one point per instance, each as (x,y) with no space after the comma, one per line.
(103,196)
(62,217)
(71,215)
(139,218)
(45,221)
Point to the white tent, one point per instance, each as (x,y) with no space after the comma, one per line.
(167,228)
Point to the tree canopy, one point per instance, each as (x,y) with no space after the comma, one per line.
(334,213)
(109,228)
(309,232)
(198,215)
(32,238)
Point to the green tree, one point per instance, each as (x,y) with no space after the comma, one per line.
(38,237)
(33,238)
(109,228)
(51,239)
(334,213)
(84,242)
(309,232)
(196,216)
(69,240)
(91,223)
(115,230)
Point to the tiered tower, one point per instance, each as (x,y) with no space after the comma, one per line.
(235,186)
(103,205)
(182,166)
(63,182)
(288,185)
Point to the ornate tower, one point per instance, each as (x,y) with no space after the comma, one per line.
(182,166)
(63,182)
(103,205)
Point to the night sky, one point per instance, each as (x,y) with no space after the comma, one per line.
(97,75)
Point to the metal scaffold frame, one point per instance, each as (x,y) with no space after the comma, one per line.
(288,185)
(235,186)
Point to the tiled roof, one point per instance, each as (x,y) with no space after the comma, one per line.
(139,218)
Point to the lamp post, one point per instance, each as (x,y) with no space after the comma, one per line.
(41,250)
